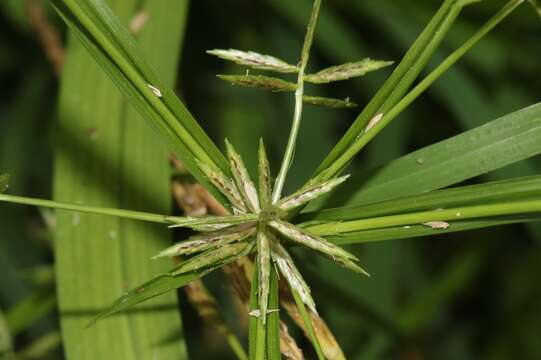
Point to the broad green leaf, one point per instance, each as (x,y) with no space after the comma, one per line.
(115,50)
(346,71)
(106,155)
(4,182)
(501,142)
(254,60)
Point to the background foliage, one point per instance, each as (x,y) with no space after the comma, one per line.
(465,295)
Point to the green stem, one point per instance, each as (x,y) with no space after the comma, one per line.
(297,114)
(336,167)
(127,214)
(261,339)
(460,213)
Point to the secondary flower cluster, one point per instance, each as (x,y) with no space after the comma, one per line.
(257,225)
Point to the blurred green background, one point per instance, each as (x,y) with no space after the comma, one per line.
(468,295)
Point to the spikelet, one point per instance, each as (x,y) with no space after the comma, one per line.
(263,257)
(329,102)
(225,185)
(265,189)
(215,257)
(309,193)
(199,243)
(259,82)
(254,60)
(317,243)
(346,71)
(287,268)
(242,179)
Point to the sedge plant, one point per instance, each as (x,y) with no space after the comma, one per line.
(262,223)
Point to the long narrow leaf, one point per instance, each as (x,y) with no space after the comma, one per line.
(115,50)
(105,156)
(501,142)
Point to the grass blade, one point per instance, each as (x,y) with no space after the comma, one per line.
(97,257)
(501,142)
(403,76)
(115,50)
(497,191)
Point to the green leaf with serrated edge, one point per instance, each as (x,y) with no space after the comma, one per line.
(242,178)
(254,60)
(4,182)
(265,186)
(497,191)
(308,193)
(225,185)
(329,102)
(346,71)
(115,50)
(199,243)
(260,82)
(264,265)
(289,271)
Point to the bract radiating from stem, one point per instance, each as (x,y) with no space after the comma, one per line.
(308,193)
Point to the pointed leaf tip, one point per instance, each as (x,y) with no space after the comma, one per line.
(4,182)
(254,60)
